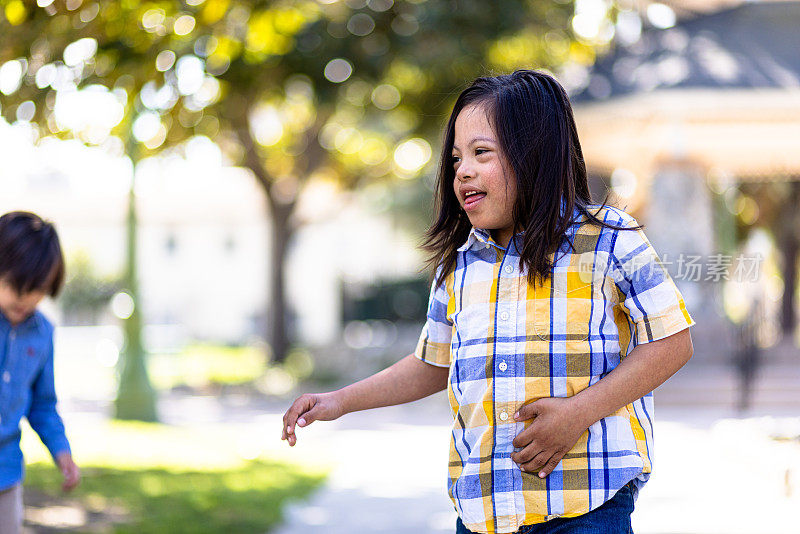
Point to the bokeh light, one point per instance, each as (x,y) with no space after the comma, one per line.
(93,111)
(413,154)
(165,60)
(146,126)
(11,76)
(338,70)
(266,125)
(661,15)
(26,111)
(122,305)
(190,70)
(386,97)
(80,51)
(360,24)
(184,25)
(380,6)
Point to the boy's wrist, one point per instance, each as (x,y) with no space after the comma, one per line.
(341,398)
(584,411)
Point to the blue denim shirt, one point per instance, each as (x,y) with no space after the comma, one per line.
(27,389)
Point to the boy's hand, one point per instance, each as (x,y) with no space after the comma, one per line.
(555,429)
(309,408)
(71,472)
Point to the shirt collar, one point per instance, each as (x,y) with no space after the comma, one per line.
(481,238)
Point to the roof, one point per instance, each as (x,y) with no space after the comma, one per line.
(753,45)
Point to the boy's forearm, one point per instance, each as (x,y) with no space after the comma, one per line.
(644,369)
(408,380)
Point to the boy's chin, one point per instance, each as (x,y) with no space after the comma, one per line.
(16,316)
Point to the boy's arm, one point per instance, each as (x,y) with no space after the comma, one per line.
(408,380)
(559,422)
(42,413)
(44,419)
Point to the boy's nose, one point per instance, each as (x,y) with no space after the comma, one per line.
(463,172)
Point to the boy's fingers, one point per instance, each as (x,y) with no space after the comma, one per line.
(534,465)
(526,412)
(525,437)
(299,407)
(528,452)
(548,468)
(296,414)
(309,417)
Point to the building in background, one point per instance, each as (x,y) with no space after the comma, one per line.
(677,120)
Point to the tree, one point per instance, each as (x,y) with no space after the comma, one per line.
(293,90)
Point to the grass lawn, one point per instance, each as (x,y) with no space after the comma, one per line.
(151,478)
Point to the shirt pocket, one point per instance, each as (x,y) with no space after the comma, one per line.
(562,309)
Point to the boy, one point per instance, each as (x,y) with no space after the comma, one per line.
(31,267)
(549,330)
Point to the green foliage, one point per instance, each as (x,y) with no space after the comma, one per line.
(407,60)
(203,366)
(158,480)
(161,500)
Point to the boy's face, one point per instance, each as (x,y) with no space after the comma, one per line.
(18,307)
(483,187)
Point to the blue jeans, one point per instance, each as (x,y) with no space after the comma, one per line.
(612,517)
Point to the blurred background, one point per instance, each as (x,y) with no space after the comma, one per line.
(241,187)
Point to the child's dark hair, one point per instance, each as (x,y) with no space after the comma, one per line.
(30,254)
(532,118)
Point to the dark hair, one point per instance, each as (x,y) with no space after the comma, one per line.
(30,253)
(532,118)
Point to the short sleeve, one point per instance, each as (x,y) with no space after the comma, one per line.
(433,346)
(652,301)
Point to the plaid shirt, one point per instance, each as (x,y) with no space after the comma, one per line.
(508,343)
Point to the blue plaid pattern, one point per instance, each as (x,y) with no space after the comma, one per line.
(507,343)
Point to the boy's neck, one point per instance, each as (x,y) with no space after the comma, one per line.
(14,324)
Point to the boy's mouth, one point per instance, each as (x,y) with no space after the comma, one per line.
(471,199)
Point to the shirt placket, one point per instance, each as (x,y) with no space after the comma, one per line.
(5,366)
(504,372)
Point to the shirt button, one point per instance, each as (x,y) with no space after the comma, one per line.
(504,316)
(509,269)
(503,366)
(6,377)
(503,416)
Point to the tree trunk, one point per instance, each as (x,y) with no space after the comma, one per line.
(277,331)
(136,399)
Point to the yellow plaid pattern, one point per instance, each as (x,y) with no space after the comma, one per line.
(508,343)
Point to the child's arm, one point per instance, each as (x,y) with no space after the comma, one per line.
(408,380)
(69,470)
(559,422)
(44,419)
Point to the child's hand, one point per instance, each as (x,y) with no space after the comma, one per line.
(309,408)
(70,471)
(555,429)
